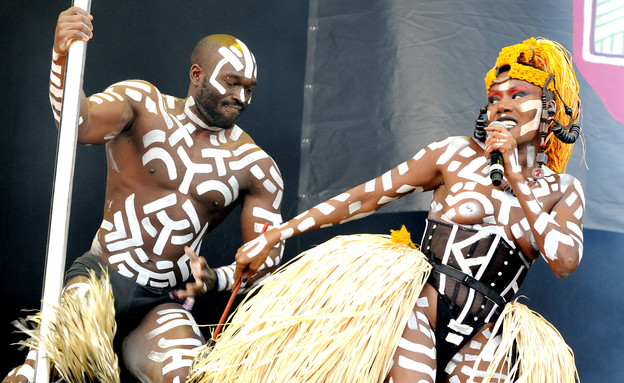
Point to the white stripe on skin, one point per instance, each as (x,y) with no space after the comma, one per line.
(136,239)
(191,169)
(145,277)
(169,226)
(409,364)
(160,204)
(218,155)
(162,155)
(265,215)
(532,125)
(218,186)
(247,160)
(249,59)
(228,57)
(417,348)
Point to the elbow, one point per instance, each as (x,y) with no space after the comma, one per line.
(563,268)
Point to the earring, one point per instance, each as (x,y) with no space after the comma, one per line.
(479,130)
(566,134)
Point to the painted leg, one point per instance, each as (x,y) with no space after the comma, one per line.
(461,367)
(160,349)
(414,360)
(25,372)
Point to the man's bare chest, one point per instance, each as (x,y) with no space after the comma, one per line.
(209,167)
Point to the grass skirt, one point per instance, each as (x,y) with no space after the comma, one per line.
(334,314)
(531,350)
(79,342)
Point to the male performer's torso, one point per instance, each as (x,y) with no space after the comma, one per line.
(170,181)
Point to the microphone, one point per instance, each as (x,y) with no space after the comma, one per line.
(496,161)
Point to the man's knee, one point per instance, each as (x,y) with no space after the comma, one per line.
(162,346)
(25,372)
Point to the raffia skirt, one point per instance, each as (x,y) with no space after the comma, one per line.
(336,313)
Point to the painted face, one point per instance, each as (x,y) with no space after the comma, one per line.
(515,103)
(226,92)
(216,109)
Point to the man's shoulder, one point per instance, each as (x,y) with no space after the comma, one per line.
(135,87)
(143,95)
(243,145)
(137,84)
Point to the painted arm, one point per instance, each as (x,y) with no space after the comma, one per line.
(415,175)
(261,204)
(558,233)
(99,121)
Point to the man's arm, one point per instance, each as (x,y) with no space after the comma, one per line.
(261,205)
(98,122)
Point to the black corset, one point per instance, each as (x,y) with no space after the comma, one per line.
(468,259)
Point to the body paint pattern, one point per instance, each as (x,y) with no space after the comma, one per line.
(140,233)
(465,197)
(415,357)
(468,198)
(461,366)
(26,371)
(56,86)
(240,57)
(171,352)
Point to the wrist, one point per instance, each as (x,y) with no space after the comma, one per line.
(221,282)
(212,279)
(56,55)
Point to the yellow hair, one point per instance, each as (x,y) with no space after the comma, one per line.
(534,61)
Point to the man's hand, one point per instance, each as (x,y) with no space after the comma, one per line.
(73,24)
(205,277)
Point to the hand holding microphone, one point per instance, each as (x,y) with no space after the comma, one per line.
(496,161)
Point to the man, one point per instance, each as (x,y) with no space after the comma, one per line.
(481,238)
(176,169)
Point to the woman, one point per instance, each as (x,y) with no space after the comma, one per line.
(481,236)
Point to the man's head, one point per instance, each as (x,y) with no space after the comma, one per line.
(548,65)
(223,77)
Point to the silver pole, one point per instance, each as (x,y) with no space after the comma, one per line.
(61,196)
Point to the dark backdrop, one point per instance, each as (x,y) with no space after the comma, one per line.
(152,41)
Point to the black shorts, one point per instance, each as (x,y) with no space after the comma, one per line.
(132,301)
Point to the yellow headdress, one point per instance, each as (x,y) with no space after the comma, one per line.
(534,61)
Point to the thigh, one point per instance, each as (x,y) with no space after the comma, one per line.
(462,365)
(160,348)
(415,357)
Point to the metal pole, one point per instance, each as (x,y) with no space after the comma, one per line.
(61,196)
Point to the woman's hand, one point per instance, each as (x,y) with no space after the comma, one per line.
(251,256)
(500,139)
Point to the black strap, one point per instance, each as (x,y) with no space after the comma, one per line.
(468,281)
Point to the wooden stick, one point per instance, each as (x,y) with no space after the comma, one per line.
(235,288)
(61,197)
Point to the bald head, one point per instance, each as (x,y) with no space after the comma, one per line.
(223,77)
(207,49)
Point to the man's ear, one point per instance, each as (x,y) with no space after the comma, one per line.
(196,74)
